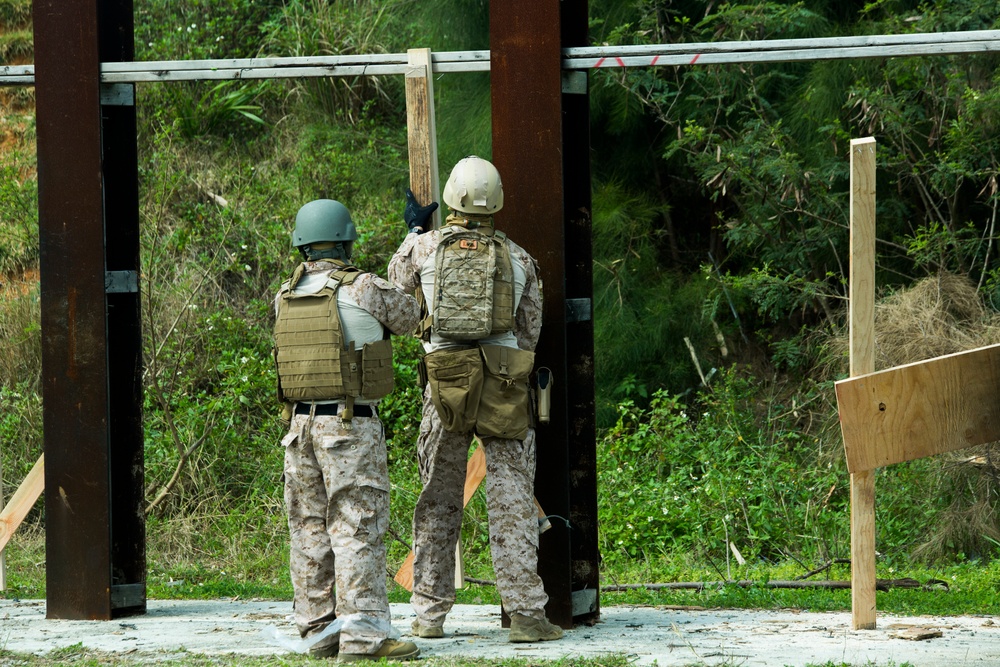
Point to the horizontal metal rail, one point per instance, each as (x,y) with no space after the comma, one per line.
(581,58)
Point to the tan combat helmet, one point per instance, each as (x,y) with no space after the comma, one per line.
(474,187)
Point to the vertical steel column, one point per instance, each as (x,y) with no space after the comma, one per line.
(95,563)
(121,242)
(541,148)
(579,285)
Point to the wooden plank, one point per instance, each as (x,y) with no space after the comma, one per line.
(421,134)
(22,501)
(920,409)
(802,54)
(863,581)
(658,55)
(862,360)
(3,554)
(862,250)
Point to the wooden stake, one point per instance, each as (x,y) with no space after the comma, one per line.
(421,133)
(862,350)
(22,501)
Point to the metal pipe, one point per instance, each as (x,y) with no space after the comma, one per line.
(578,58)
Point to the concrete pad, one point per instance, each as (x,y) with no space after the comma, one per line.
(648,635)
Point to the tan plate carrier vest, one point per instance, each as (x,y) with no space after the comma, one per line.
(314,363)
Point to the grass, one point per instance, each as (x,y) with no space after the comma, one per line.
(970,587)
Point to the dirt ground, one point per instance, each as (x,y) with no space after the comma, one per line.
(648,635)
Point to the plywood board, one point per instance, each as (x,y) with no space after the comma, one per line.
(920,409)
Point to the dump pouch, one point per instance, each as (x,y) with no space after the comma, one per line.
(504,410)
(377,377)
(456,381)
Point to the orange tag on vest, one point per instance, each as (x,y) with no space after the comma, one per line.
(468,244)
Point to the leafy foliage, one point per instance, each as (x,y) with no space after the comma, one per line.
(747,466)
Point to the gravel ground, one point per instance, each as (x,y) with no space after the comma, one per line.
(648,635)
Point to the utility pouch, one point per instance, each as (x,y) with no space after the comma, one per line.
(456,381)
(377,377)
(504,410)
(421,373)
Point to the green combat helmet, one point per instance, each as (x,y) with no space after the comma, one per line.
(324,230)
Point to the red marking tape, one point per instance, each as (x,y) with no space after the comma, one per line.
(695,59)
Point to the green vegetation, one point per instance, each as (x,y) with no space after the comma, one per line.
(720,213)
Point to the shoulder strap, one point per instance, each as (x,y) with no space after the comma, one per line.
(297,274)
(345,276)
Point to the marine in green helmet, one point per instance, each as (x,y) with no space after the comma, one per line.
(334,360)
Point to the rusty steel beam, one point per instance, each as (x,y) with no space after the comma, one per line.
(85,492)
(541,148)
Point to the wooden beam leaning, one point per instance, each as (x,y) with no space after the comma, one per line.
(22,501)
(920,409)
(421,132)
(475,473)
(3,555)
(862,350)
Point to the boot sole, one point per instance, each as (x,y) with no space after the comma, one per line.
(527,639)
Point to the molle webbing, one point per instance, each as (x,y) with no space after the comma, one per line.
(503,290)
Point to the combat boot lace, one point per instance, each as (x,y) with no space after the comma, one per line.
(526,629)
(391,649)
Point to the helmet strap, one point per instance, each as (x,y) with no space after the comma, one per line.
(337,251)
(469,220)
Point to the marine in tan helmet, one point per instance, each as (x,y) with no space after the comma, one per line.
(482,313)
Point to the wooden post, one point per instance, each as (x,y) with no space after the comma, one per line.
(862,350)
(421,135)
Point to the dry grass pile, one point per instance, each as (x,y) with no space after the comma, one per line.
(936,316)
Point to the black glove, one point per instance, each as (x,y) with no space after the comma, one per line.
(417,217)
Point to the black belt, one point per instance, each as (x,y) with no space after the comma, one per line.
(333,409)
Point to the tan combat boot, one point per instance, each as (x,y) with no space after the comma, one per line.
(527,629)
(426,631)
(391,649)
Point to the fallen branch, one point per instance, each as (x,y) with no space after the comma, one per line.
(881,584)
